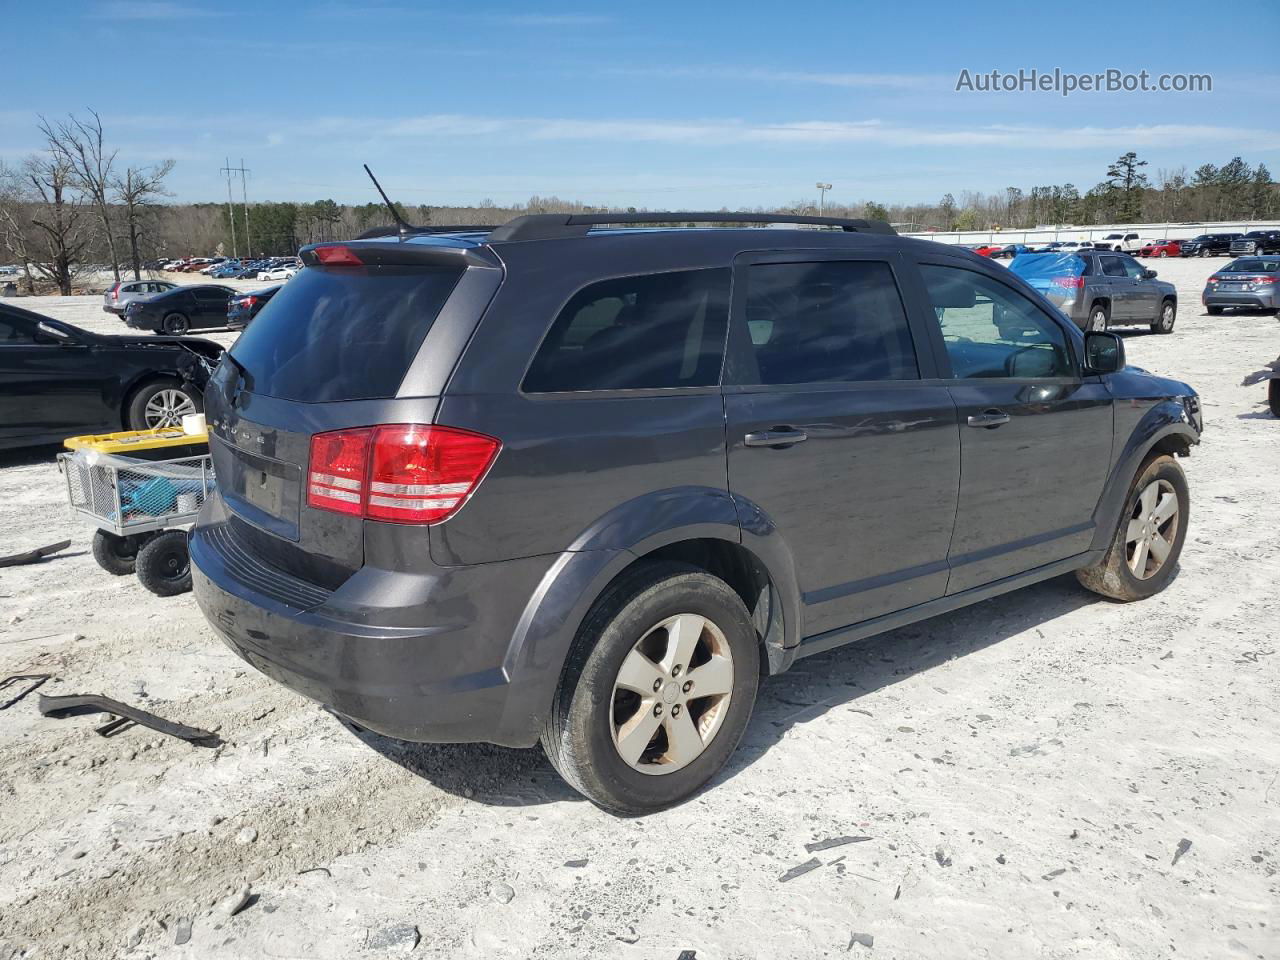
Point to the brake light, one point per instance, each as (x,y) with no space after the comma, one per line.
(1214,279)
(247,302)
(1070,283)
(115,291)
(402,473)
(338,255)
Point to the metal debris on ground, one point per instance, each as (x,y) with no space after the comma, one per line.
(1183,846)
(33,556)
(33,680)
(801,870)
(832,842)
(76,704)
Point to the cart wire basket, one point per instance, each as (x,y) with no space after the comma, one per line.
(127,496)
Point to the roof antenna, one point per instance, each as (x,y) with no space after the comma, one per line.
(405,229)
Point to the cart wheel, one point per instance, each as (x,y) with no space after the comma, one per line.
(116,555)
(164,566)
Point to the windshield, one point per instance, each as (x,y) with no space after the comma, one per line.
(342,334)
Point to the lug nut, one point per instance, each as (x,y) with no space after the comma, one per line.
(657,685)
(675,671)
(688,685)
(675,711)
(657,709)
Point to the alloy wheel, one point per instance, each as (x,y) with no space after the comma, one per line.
(672,694)
(1098,321)
(1166,317)
(1152,530)
(167,407)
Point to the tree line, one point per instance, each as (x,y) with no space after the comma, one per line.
(77,205)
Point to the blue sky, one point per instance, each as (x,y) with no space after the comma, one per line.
(658,104)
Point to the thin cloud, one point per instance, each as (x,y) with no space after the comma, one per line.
(550,19)
(150,10)
(893,81)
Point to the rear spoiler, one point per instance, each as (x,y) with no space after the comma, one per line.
(378,253)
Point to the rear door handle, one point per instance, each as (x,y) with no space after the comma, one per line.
(988,419)
(775,438)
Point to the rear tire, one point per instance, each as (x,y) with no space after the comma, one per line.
(1215,311)
(1204,252)
(1273,397)
(599,705)
(116,555)
(1099,318)
(175,325)
(1131,569)
(164,566)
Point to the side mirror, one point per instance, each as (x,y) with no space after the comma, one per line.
(1103,353)
(55,334)
(1149,274)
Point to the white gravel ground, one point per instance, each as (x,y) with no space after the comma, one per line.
(1024,771)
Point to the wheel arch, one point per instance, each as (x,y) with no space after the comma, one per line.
(691,525)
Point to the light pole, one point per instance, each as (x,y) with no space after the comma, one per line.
(822,196)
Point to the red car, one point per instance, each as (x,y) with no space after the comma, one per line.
(1161,248)
(987,249)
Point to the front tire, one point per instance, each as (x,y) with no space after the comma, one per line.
(164,566)
(1168,314)
(1273,397)
(1148,540)
(657,690)
(162,403)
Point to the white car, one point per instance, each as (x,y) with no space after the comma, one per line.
(1120,242)
(277,273)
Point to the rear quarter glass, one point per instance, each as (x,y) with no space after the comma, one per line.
(342,333)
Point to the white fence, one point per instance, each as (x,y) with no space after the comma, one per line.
(1147,231)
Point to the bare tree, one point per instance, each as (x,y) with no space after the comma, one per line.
(79,143)
(136,192)
(15,198)
(57,213)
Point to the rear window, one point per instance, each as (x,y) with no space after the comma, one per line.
(342,334)
(635,333)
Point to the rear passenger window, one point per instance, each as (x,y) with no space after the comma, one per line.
(654,331)
(836,320)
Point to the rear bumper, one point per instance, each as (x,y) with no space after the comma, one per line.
(428,664)
(1268,300)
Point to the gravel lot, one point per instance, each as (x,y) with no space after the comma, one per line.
(1019,776)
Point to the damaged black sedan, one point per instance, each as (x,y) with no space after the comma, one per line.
(58,381)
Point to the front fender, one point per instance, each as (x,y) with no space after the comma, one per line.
(1165,419)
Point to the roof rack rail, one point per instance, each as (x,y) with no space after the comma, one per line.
(546,226)
(391,231)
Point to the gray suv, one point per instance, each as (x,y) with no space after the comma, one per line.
(587,486)
(1101,289)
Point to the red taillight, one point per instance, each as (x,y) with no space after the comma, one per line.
(1214,279)
(115,291)
(338,255)
(1266,279)
(339,468)
(402,473)
(1071,283)
(247,302)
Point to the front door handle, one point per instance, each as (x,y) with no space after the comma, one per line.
(989,419)
(775,438)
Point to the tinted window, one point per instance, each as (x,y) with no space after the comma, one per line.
(342,334)
(14,334)
(1112,267)
(993,331)
(632,333)
(828,321)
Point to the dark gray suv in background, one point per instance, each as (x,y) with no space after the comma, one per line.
(586,486)
(1099,290)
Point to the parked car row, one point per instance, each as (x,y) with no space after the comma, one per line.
(1205,245)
